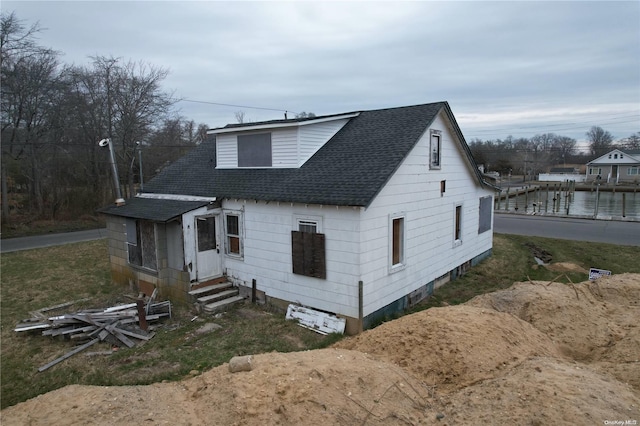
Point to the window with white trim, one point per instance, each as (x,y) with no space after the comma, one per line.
(595,170)
(397,241)
(435,145)
(254,150)
(233,234)
(457,233)
(632,170)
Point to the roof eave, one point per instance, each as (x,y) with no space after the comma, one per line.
(222,130)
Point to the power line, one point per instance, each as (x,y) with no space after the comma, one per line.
(236,106)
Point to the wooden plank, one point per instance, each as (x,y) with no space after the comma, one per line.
(68,355)
(124,339)
(32,327)
(120,307)
(136,335)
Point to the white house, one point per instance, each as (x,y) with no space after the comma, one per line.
(615,167)
(359,214)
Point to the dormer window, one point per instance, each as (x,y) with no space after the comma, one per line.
(254,150)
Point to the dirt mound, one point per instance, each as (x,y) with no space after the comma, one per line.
(545,391)
(330,386)
(532,354)
(455,346)
(593,322)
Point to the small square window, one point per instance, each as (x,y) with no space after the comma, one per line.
(307,226)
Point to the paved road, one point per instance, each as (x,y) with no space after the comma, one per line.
(48,240)
(599,231)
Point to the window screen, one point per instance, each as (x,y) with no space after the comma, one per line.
(486,205)
(254,150)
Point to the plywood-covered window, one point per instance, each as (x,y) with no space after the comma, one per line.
(486,206)
(234,234)
(141,243)
(254,150)
(308,251)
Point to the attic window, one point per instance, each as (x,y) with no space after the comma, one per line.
(435,144)
(615,156)
(254,150)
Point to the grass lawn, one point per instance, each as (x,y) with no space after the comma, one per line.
(39,278)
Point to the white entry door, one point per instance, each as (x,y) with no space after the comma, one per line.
(208,259)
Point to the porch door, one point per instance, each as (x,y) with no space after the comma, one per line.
(208,259)
(614,173)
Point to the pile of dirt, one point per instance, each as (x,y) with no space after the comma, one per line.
(536,353)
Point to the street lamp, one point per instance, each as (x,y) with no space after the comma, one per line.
(114,168)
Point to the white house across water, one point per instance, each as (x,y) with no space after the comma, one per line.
(360,214)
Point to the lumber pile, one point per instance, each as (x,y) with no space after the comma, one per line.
(123,325)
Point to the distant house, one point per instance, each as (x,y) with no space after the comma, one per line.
(615,167)
(358,214)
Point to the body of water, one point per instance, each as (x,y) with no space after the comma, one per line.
(578,203)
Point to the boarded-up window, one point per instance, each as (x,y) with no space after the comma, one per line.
(458,220)
(254,150)
(486,205)
(308,254)
(397,245)
(233,235)
(143,251)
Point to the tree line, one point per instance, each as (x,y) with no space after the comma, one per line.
(53,115)
(530,156)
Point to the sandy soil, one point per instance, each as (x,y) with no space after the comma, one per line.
(534,354)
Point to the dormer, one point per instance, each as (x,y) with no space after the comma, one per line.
(275,144)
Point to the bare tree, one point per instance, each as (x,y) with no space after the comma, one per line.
(29,79)
(631,142)
(600,140)
(240,116)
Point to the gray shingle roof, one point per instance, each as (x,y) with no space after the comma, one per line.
(152,209)
(350,169)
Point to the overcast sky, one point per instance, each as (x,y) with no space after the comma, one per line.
(506,68)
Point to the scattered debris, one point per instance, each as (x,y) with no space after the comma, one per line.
(542,255)
(317,321)
(118,325)
(595,273)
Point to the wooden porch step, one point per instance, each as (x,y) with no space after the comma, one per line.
(221,305)
(218,296)
(203,291)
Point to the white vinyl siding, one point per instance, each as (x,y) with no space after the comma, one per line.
(313,137)
(428,226)
(226,151)
(268,255)
(285,147)
(291,147)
